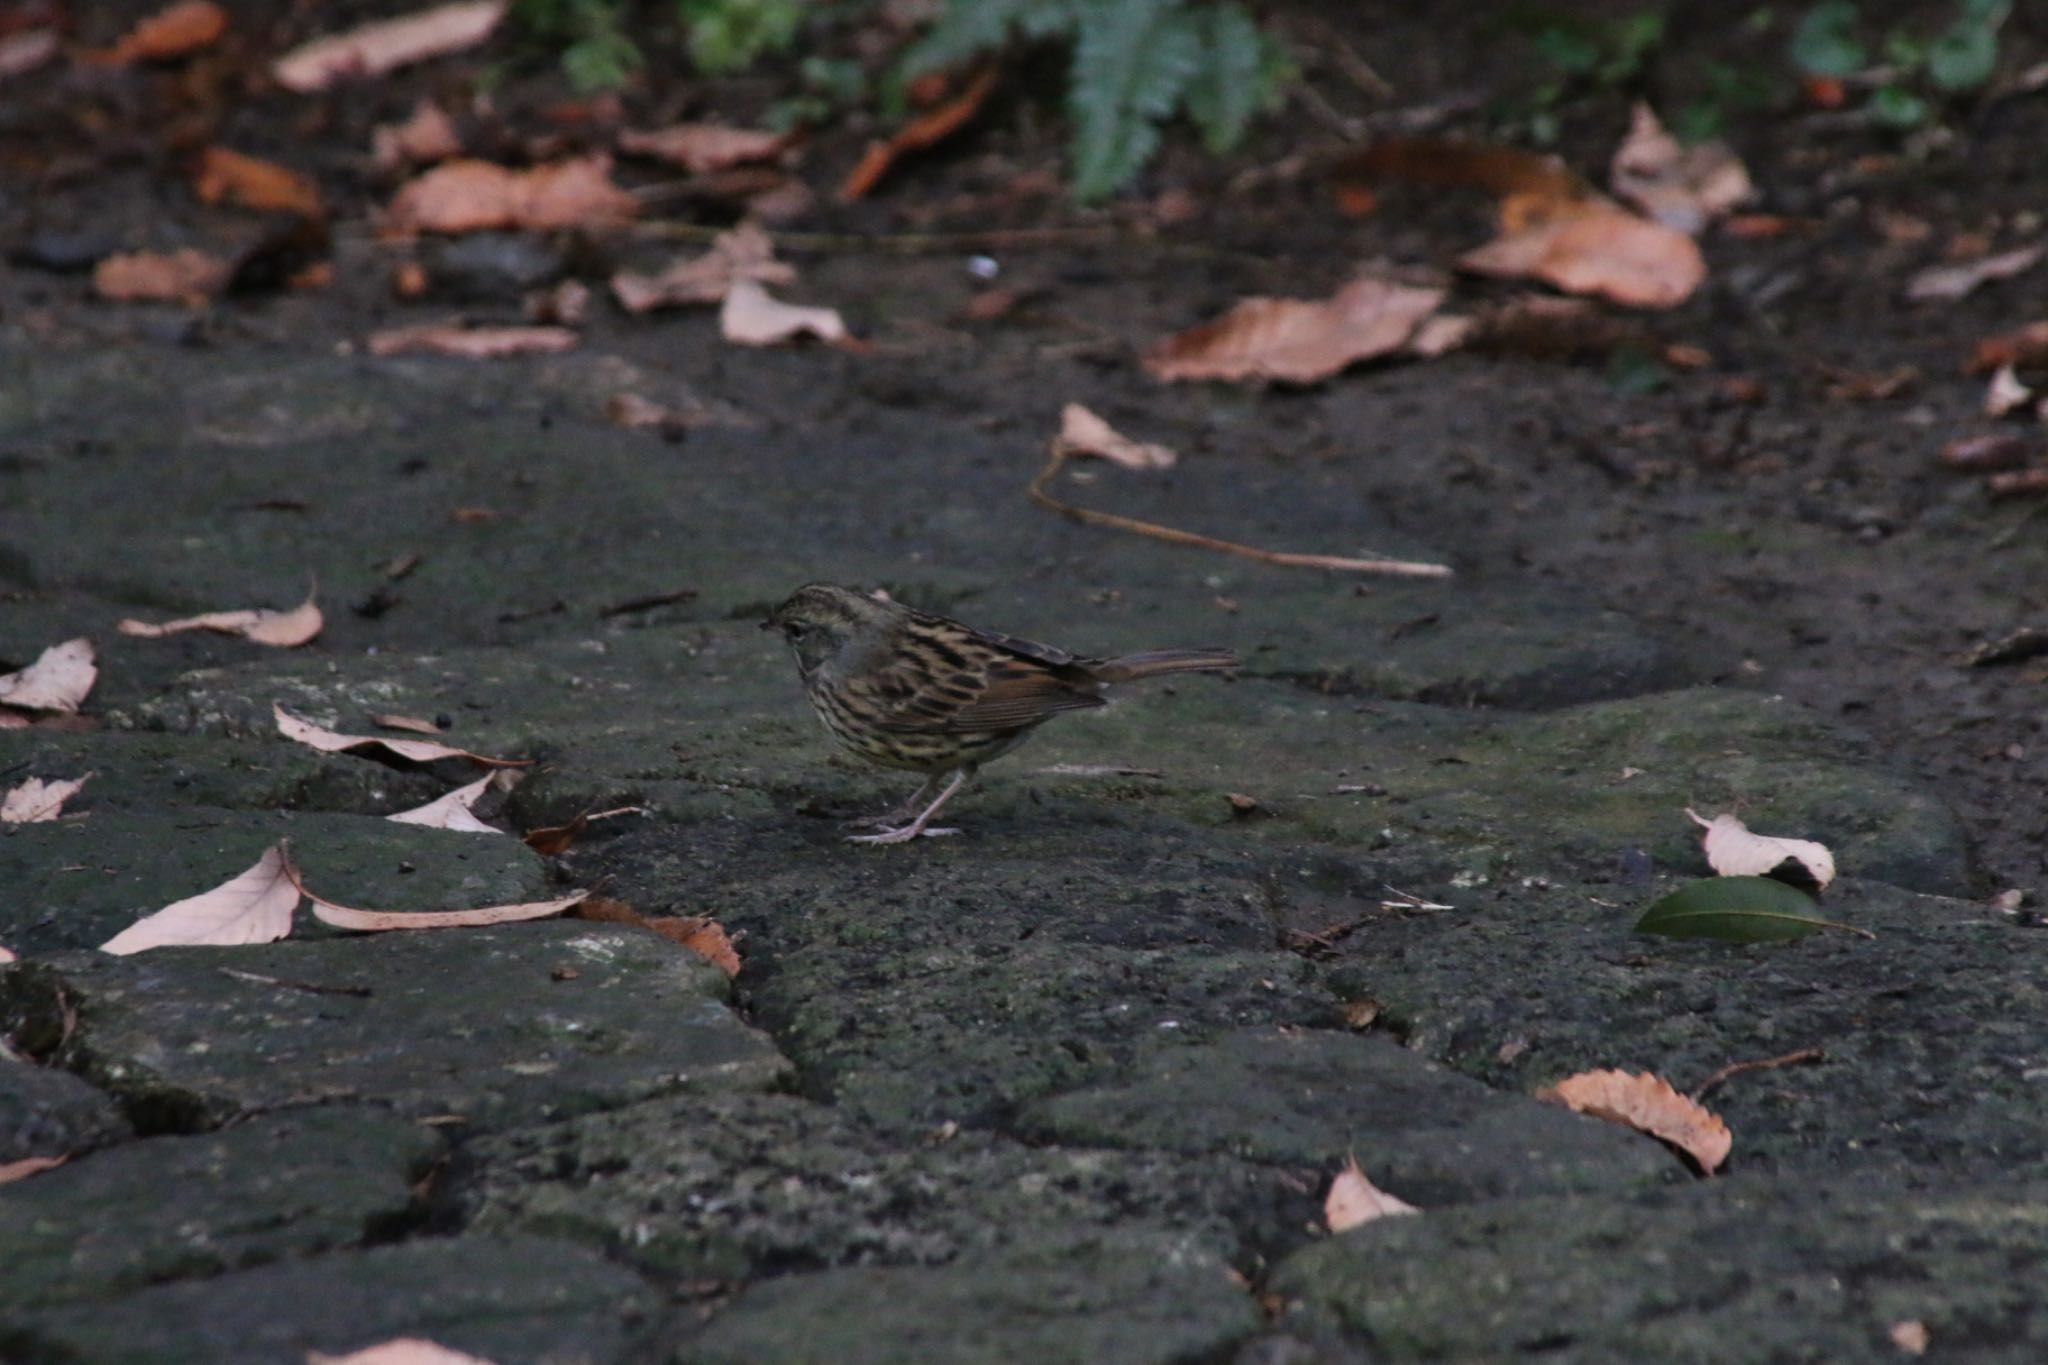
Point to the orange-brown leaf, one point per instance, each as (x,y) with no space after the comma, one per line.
(1297,341)
(474,196)
(704,147)
(473,343)
(418,750)
(187,276)
(1647,1104)
(168,34)
(933,126)
(1598,247)
(229,177)
(377,47)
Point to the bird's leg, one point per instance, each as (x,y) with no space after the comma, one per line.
(904,809)
(921,827)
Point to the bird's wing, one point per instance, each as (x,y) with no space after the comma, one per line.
(956,679)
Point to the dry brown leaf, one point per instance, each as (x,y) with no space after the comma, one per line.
(1297,341)
(473,343)
(1647,1104)
(704,937)
(21,53)
(284,629)
(1504,172)
(702,147)
(427,135)
(452,811)
(418,750)
(255,907)
(1681,187)
(745,253)
(1082,433)
(168,34)
(751,318)
(474,196)
(922,131)
(1943,283)
(1733,851)
(1598,247)
(1442,334)
(2026,348)
(383,921)
(1984,454)
(1910,1336)
(399,1351)
(58,680)
(35,800)
(1353,1200)
(188,276)
(378,47)
(229,177)
(11,1171)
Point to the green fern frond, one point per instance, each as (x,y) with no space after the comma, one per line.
(1238,71)
(970,28)
(1133,60)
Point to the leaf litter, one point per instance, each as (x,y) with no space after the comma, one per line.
(1734,851)
(701,935)
(385,44)
(283,629)
(455,810)
(35,800)
(1649,1105)
(1354,1200)
(417,750)
(1083,434)
(59,680)
(744,253)
(1297,341)
(469,195)
(253,907)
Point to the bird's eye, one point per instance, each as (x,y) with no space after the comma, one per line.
(796,630)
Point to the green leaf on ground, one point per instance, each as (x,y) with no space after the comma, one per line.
(1737,910)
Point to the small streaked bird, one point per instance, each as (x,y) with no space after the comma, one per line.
(907,689)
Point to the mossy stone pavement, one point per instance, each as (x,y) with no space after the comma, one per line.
(1066,1087)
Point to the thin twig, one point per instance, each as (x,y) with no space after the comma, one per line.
(1805,1054)
(312,987)
(1057,456)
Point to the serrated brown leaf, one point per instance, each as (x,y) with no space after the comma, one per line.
(1647,1104)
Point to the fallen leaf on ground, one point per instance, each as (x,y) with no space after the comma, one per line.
(1733,851)
(11,1171)
(427,135)
(922,131)
(702,147)
(1910,1336)
(7,954)
(377,47)
(2006,394)
(551,840)
(229,177)
(473,343)
(1681,187)
(751,317)
(745,253)
(2018,483)
(1947,282)
(1297,341)
(704,937)
(1082,433)
(1647,1104)
(412,723)
(35,800)
(255,907)
(168,34)
(399,1351)
(2026,348)
(1984,454)
(1595,246)
(383,921)
(1441,334)
(635,413)
(418,750)
(1730,909)
(284,629)
(21,53)
(475,196)
(452,811)
(58,680)
(1504,172)
(188,276)
(1353,1200)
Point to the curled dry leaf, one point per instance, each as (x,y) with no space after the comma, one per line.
(1082,433)
(1297,341)
(284,629)
(703,147)
(399,1351)
(378,47)
(1681,187)
(1733,851)
(1353,1200)
(745,253)
(188,276)
(168,34)
(453,811)
(1943,283)
(473,343)
(418,750)
(475,196)
(427,136)
(1647,1104)
(930,127)
(11,1171)
(384,921)
(704,937)
(2006,394)
(58,680)
(255,907)
(1594,246)
(229,177)
(35,800)
(751,317)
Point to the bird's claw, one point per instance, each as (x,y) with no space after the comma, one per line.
(901,836)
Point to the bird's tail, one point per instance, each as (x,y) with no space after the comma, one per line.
(1152,662)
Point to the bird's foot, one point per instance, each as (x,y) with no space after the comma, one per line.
(902,835)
